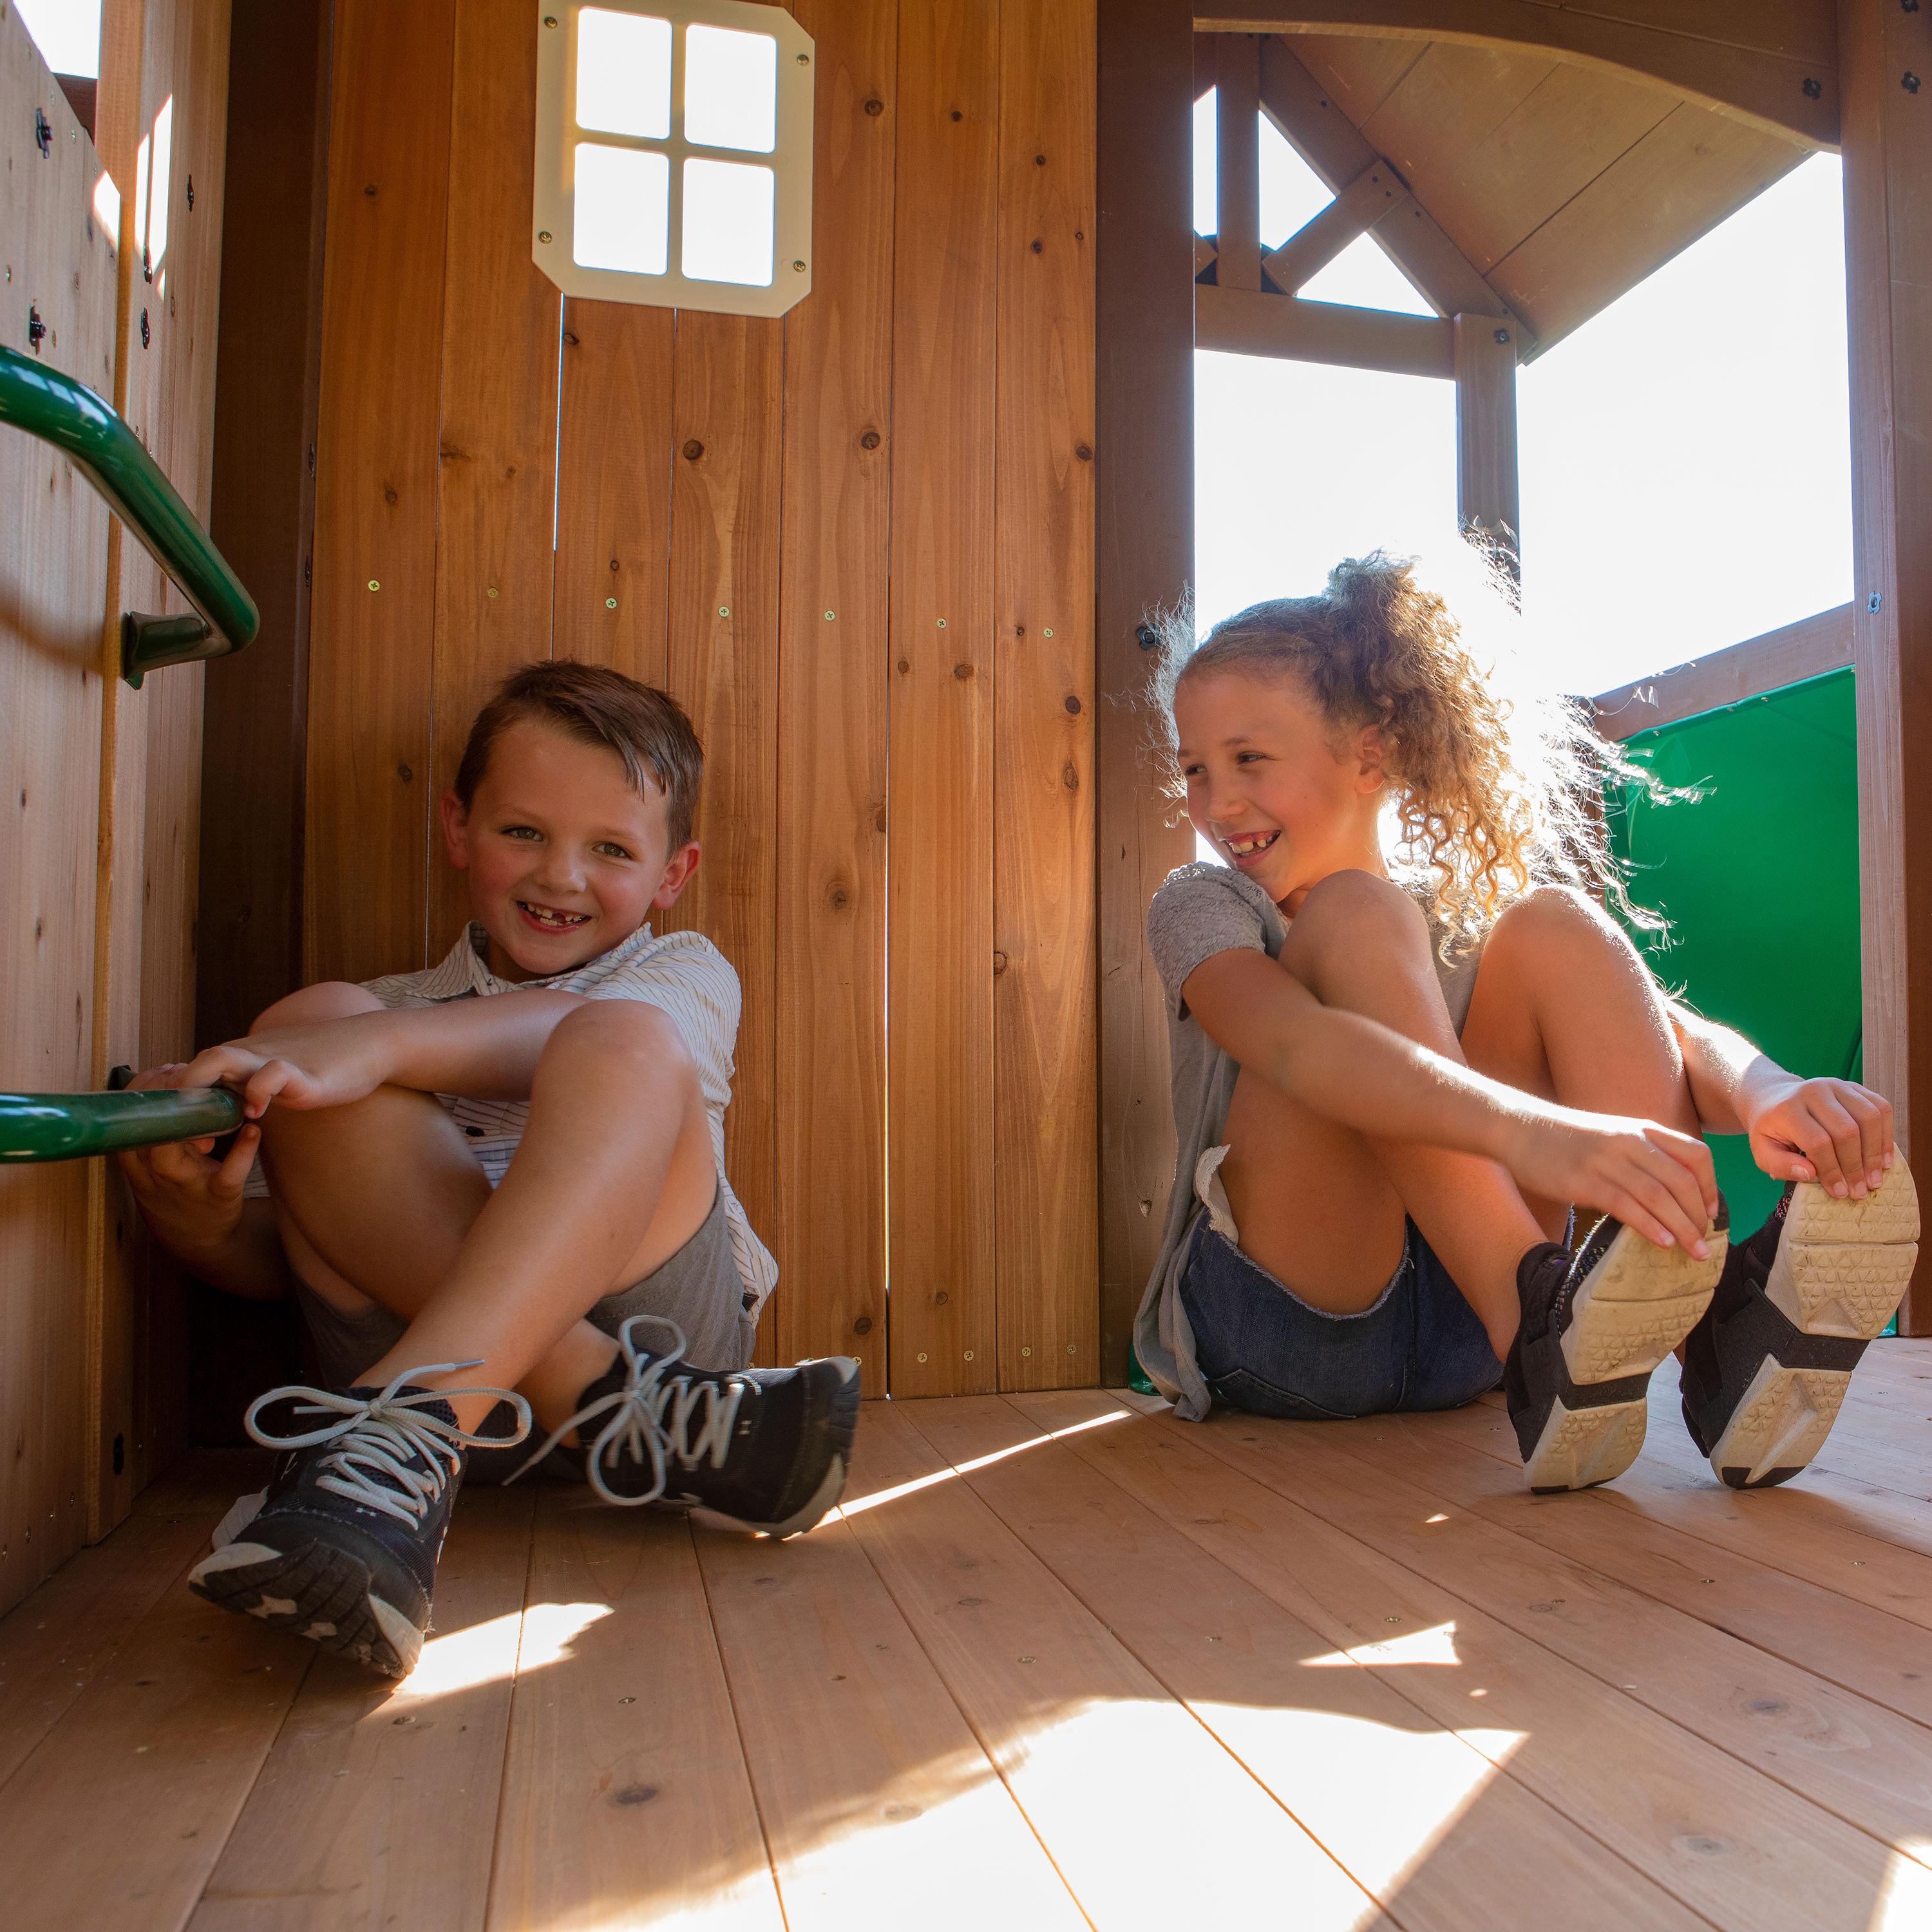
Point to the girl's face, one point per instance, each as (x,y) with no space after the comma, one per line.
(1268,787)
(565,859)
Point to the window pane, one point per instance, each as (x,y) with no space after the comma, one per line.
(731,91)
(623,219)
(623,73)
(728,222)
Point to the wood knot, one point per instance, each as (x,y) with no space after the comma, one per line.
(1039,246)
(962,671)
(863,1326)
(1070,778)
(1084,450)
(939,1300)
(875,108)
(693,450)
(389,496)
(634,1794)
(999,964)
(839,898)
(957,115)
(1073,706)
(870,440)
(404,773)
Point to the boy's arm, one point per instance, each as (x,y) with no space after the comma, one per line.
(487,1049)
(1365,1075)
(1834,1132)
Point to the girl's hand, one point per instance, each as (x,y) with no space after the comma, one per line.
(1833,1132)
(1651,1177)
(327,1064)
(192,1201)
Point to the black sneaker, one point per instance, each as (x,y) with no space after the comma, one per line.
(767,1447)
(342,1548)
(1766,1369)
(1595,1323)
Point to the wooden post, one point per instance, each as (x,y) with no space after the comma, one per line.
(1145,509)
(1486,495)
(1888,151)
(1237,179)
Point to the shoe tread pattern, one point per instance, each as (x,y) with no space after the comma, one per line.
(1842,1266)
(1636,1304)
(1780,1424)
(1580,1448)
(327,1593)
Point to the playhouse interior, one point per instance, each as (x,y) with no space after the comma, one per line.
(309,432)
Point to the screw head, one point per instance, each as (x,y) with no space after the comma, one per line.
(804,60)
(543,234)
(830,615)
(724,610)
(1026,1352)
(942,623)
(922,1358)
(610,603)
(1072,1348)
(969,1354)
(798,268)
(491,591)
(550,19)
(1047,633)
(373,585)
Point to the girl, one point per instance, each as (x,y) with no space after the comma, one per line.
(1389,1092)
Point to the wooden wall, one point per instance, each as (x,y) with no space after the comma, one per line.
(97,877)
(855,542)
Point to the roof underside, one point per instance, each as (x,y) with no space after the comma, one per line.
(1562,183)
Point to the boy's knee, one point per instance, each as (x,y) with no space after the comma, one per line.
(626,1029)
(308,1006)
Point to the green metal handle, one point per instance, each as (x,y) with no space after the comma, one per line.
(70,1127)
(71,416)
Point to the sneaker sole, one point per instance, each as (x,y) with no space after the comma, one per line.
(1840,1270)
(1637,1304)
(315,1592)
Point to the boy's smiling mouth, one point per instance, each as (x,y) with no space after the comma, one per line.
(549,919)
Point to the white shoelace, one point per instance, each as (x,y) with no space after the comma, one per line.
(638,1422)
(380,1435)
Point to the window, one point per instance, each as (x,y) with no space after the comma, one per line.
(673,154)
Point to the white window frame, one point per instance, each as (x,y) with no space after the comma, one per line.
(554,202)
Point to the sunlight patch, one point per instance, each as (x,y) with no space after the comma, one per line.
(501,1647)
(1436,1644)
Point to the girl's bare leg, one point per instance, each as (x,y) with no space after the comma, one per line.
(1565,1008)
(382,1201)
(1321,1206)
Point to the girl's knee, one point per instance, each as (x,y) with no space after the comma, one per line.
(1555,919)
(327,999)
(1354,908)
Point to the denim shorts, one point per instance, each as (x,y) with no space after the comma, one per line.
(1262,1348)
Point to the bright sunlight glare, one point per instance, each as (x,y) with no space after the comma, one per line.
(67,33)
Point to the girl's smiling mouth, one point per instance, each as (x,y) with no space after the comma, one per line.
(1242,845)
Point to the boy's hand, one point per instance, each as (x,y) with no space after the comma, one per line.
(1833,1132)
(192,1201)
(327,1064)
(1651,1177)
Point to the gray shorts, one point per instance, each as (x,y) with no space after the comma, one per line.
(699,1287)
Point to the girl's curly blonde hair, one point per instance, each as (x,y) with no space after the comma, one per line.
(1495,794)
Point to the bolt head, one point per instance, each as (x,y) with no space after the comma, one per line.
(543,234)
(798,268)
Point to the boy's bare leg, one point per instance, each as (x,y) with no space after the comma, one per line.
(381,1200)
(1321,1206)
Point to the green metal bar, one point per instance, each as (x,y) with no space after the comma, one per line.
(70,1127)
(71,416)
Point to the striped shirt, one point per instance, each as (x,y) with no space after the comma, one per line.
(681,974)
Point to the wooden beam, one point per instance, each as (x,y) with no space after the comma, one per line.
(1377,192)
(1487,497)
(1144,443)
(1237,177)
(1752,74)
(1887,268)
(1331,144)
(1759,666)
(1205,252)
(1247,323)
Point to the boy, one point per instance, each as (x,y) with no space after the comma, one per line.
(526,1187)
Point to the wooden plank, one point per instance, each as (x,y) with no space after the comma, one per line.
(939,864)
(378,1802)
(495,506)
(1248,324)
(724,670)
(1237,177)
(1868,1766)
(53,565)
(1323,1543)
(1688,174)
(1045,964)
(895,1787)
(1306,118)
(1487,495)
(161,1750)
(369,782)
(1071,1718)
(1357,73)
(262,509)
(1887,265)
(1760,84)
(1376,192)
(1415,1813)
(829,1232)
(1756,668)
(1145,533)
(615,453)
(623,1778)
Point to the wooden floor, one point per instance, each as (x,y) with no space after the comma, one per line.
(1064,1661)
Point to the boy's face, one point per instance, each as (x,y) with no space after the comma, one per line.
(565,859)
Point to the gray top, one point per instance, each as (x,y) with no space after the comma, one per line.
(1201,909)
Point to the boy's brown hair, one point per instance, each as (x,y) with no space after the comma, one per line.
(646,728)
